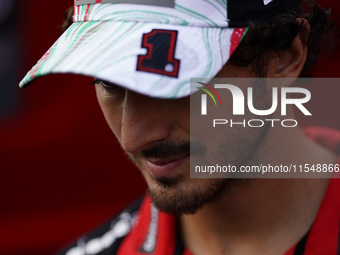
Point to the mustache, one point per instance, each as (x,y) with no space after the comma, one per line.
(171,149)
(167,149)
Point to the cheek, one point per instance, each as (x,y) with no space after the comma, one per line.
(182,114)
(112,111)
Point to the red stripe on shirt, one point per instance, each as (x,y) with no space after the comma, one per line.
(324,234)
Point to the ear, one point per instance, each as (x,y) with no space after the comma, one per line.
(290,62)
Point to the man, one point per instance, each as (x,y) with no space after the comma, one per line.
(142,55)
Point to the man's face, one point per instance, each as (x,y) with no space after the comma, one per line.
(155,134)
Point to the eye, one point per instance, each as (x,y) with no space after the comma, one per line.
(109,89)
(102,83)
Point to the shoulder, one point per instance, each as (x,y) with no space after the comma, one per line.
(107,238)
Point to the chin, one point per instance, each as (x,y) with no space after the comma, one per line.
(178,196)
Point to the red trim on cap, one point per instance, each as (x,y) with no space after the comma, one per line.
(235,39)
(87,12)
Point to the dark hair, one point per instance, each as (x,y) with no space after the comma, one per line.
(278,36)
(68,19)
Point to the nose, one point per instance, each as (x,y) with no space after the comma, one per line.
(145,121)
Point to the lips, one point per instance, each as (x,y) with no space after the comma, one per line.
(166,167)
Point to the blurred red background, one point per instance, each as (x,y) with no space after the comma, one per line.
(62,171)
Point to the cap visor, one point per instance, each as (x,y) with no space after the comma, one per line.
(110,51)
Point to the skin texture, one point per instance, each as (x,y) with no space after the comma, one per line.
(221,216)
(143,135)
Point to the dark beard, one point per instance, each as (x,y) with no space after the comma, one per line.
(184,201)
(172,194)
(181,200)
